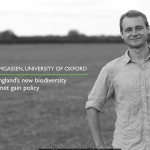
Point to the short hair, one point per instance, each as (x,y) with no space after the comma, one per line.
(133,13)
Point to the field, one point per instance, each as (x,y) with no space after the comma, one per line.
(55,116)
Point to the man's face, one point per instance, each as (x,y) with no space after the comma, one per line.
(134,31)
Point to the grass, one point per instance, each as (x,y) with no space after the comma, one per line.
(55,116)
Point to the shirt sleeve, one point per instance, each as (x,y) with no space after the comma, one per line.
(101,91)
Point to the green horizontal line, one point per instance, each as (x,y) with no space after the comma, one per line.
(43,74)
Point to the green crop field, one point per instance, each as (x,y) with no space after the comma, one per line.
(55,116)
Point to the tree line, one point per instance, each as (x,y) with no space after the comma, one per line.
(73,36)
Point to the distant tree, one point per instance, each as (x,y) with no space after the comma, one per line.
(73,33)
(8,34)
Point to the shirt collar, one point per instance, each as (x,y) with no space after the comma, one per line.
(127,58)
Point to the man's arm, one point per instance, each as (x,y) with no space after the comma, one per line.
(100,93)
(94,123)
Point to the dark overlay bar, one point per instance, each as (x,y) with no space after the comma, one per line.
(76,149)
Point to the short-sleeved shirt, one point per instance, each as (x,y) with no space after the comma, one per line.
(129,85)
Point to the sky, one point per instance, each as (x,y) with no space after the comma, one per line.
(58,17)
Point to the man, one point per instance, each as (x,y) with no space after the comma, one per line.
(127,80)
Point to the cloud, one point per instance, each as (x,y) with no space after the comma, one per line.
(46,16)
